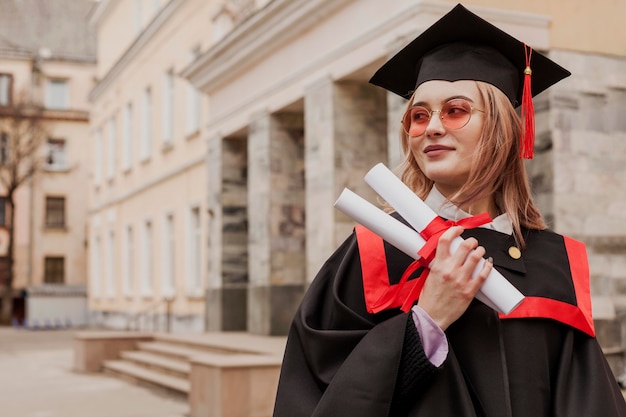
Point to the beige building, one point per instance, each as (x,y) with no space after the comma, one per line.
(148,190)
(231,220)
(47,57)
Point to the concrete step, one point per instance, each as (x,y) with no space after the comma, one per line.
(221,365)
(171,351)
(227,342)
(142,376)
(156,362)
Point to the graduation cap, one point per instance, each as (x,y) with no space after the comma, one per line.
(463,46)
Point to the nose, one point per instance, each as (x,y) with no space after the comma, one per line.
(435,124)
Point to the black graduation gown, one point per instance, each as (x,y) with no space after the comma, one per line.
(341,360)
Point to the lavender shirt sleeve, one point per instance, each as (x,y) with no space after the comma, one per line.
(434,340)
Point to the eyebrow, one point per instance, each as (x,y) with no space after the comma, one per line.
(425,104)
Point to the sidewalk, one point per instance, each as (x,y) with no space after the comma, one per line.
(37,380)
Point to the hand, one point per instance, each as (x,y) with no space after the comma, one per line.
(450,288)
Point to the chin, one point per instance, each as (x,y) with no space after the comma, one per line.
(446,182)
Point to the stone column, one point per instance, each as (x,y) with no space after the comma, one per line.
(540,169)
(589,175)
(213,316)
(396,106)
(226,298)
(276,221)
(346,134)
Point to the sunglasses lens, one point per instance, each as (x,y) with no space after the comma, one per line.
(415,120)
(456,113)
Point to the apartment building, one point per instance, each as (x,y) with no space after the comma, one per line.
(147,224)
(47,60)
(223,131)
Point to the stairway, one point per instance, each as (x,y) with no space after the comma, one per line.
(164,363)
(153,366)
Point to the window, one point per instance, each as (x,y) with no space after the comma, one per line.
(57,94)
(146,275)
(54,270)
(129,262)
(193,101)
(4,148)
(110,265)
(169,255)
(223,22)
(95,268)
(97,158)
(167,119)
(3,211)
(193,114)
(111,142)
(55,212)
(6,89)
(56,158)
(193,264)
(146,125)
(127,137)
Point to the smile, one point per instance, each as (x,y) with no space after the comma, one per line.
(433,150)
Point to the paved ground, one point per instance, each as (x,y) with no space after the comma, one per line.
(37,380)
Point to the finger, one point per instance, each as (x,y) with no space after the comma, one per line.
(443,246)
(483,274)
(465,249)
(472,259)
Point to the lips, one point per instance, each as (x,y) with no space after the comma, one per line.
(437,148)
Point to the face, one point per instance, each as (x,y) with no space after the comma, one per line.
(444,151)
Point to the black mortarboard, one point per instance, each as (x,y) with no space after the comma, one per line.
(463,46)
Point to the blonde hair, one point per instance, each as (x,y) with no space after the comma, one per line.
(497,169)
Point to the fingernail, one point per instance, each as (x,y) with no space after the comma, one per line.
(490,259)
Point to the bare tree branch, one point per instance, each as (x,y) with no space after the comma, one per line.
(22,135)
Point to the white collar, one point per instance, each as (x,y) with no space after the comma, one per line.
(447,210)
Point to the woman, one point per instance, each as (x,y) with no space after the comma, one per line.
(451,355)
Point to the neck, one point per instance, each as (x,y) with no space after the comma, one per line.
(481,207)
(476,207)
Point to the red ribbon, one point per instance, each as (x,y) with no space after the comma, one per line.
(432,232)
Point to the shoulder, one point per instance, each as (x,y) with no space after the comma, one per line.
(551,247)
(549,236)
(556,281)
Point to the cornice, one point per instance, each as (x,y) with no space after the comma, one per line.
(100,11)
(38,112)
(135,48)
(281,20)
(255,38)
(499,16)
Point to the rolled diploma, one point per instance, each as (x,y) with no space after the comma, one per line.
(496,292)
(391,230)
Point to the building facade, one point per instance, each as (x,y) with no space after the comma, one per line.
(225,226)
(147,225)
(47,60)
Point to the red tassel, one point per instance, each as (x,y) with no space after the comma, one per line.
(528,112)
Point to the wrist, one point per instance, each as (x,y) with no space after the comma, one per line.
(440,320)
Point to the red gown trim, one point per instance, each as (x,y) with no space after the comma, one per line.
(578,316)
(381,295)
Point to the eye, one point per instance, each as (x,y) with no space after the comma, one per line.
(456,109)
(419,115)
